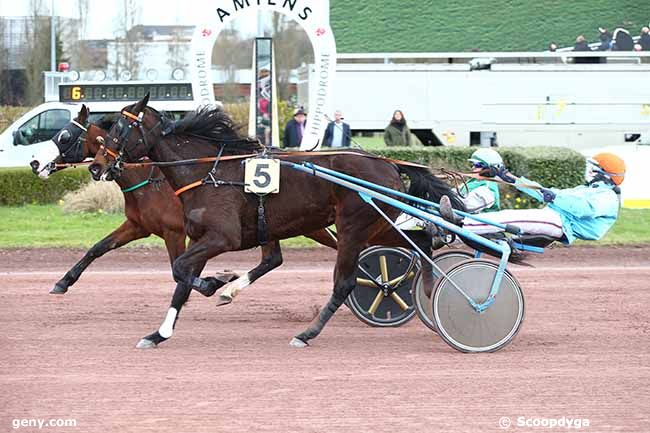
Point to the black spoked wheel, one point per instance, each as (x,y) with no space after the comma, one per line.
(382,296)
(423,306)
(460,325)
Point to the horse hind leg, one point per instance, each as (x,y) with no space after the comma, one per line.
(344,283)
(271,259)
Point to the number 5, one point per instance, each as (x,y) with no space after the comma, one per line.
(260,173)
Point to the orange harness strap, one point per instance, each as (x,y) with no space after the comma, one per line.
(188,187)
(109,151)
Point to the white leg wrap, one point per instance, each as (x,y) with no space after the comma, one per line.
(231,289)
(167,328)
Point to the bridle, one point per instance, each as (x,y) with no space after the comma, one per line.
(126,124)
(74,152)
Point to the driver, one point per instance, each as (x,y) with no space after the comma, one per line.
(585,212)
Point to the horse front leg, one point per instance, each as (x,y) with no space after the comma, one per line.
(187,270)
(125,233)
(271,259)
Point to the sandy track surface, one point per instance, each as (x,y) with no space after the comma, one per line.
(583,352)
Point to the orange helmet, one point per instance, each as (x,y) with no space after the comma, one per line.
(610,165)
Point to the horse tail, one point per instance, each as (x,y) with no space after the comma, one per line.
(426,185)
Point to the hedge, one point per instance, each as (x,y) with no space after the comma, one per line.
(19,186)
(557,167)
(551,166)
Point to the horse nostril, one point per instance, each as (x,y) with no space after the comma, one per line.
(34,165)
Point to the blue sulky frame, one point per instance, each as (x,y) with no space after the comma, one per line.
(425,210)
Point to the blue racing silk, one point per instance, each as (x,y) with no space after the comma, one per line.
(587,211)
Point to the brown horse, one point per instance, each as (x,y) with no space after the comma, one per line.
(220,217)
(151,207)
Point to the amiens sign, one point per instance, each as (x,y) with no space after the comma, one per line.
(312,15)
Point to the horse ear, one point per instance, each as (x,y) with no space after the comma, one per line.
(141,104)
(83,113)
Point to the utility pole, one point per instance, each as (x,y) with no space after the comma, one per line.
(52,38)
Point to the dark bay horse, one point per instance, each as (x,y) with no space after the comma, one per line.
(150,207)
(220,217)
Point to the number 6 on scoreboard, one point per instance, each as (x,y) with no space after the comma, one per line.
(262,176)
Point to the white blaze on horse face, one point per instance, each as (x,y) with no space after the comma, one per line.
(231,289)
(167,328)
(45,157)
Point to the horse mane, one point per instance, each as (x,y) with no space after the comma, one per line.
(212,124)
(107,121)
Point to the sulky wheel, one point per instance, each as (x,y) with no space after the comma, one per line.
(457,321)
(382,296)
(445,260)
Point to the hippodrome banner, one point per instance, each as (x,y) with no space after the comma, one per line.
(312,15)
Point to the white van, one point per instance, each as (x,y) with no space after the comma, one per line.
(28,135)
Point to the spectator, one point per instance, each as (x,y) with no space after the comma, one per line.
(397,133)
(605,39)
(337,133)
(622,40)
(552,47)
(582,45)
(295,129)
(644,39)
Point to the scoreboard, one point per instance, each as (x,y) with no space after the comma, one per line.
(125,92)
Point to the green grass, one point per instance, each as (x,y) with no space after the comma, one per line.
(47,226)
(486,25)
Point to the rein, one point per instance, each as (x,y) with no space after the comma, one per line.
(456,174)
(211,180)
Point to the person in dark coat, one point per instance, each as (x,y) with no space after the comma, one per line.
(605,39)
(583,45)
(623,40)
(397,133)
(644,39)
(337,133)
(295,129)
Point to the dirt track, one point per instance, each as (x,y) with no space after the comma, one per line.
(583,352)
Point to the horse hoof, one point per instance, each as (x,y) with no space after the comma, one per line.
(145,344)
(58,290)
(223,300)
(297,342)
(226,276)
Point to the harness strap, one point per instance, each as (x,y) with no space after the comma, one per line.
(130,116)
(193,185)
(262,229)
(108,151)
(139,185)
(79,125)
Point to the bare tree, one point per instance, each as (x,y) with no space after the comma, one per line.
(175,50)
(37,40)
(128,40)
(230,53)
(292,49)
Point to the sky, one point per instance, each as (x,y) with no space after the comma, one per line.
(102,16)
